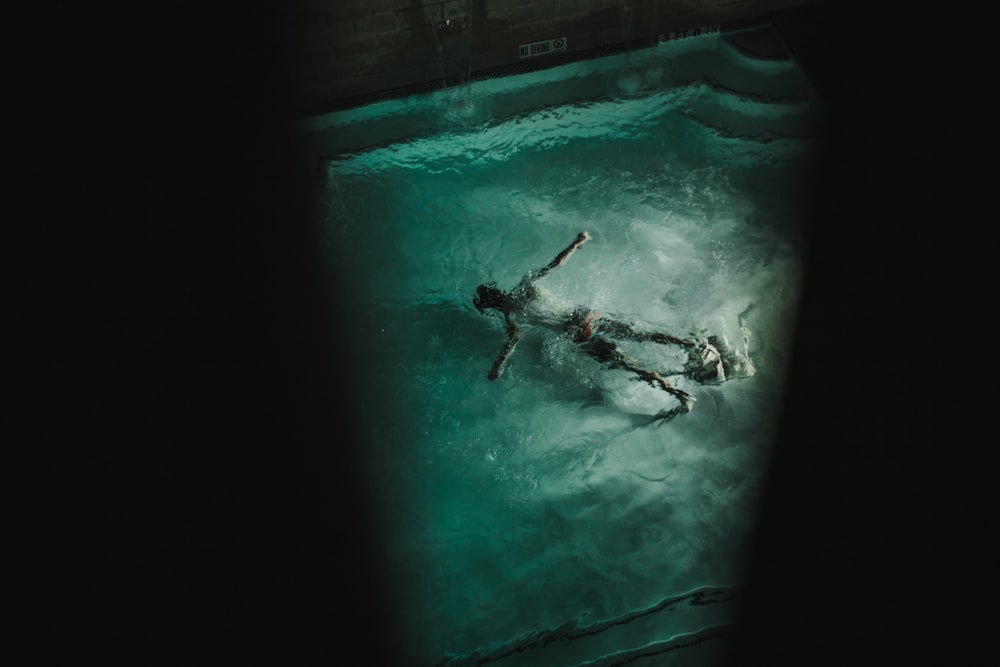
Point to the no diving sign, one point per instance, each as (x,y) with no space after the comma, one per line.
(690,32)
(544,48)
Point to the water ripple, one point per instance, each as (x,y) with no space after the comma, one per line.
(703,100)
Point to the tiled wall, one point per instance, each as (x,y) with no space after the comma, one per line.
(346,50)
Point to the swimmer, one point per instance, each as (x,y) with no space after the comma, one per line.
(710,361)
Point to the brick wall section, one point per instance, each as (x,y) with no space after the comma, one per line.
(344,50)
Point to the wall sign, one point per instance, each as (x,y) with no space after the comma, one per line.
(690,32)
(547,47)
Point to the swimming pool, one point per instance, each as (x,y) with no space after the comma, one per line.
(539,519)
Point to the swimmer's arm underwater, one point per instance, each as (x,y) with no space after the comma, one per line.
(563,257)
(513,335)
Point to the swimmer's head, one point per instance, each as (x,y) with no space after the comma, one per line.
(488,296)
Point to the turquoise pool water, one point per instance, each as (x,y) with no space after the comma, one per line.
(535,520)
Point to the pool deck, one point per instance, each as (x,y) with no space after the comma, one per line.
(354,51)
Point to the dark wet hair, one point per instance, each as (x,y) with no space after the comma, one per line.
(488,296)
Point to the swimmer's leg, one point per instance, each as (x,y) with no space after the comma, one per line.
(608,353)
(654,380)
(624,331)
(666,415)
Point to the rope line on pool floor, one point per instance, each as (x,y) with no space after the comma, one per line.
(659,648)
(570,631)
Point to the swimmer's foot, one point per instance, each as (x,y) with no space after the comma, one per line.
(685,399)
(663,416)
(680,395)
(655,379)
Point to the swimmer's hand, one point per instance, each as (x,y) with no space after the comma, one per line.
(582,238)
(493,374)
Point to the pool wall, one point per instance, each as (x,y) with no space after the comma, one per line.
(351,52)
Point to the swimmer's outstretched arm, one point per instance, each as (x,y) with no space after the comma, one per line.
(563,257)
(513,335)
